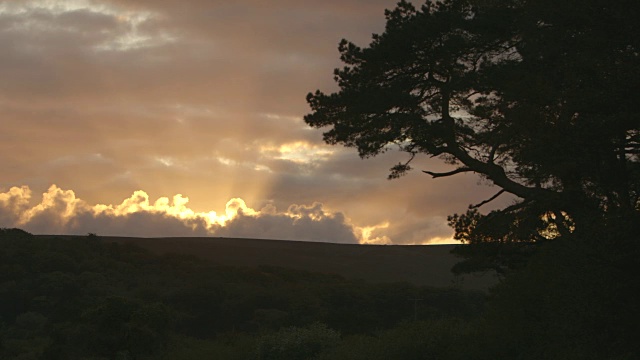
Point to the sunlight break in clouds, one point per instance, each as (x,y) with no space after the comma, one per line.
(300,152)
(60,211)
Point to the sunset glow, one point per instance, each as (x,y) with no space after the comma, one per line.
(62,212)
(299,152)
(156,118)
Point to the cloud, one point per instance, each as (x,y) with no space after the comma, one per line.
(13,204)
(106,97)
(299,222)
(61,212)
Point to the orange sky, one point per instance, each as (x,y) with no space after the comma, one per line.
(172,118)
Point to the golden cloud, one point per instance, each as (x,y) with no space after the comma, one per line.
(62,212)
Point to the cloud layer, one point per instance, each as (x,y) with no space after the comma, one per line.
(61,212)
(199,97)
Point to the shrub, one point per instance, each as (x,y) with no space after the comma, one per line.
(295,343)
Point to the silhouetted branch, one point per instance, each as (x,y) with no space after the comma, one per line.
(492,153)
(401,169)
(488,200)
(560,225)
(511,208)
(456,171)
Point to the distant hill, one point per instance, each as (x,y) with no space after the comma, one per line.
(428,265)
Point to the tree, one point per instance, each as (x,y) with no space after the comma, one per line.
(538,97)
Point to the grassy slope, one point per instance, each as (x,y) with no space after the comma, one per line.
(420,265)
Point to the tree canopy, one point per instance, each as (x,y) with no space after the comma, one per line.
(539,97)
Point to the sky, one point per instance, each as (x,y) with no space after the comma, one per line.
(184,118)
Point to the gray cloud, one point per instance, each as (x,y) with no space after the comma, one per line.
(305,223)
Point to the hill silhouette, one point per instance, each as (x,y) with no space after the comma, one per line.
(72,297)
(426,265)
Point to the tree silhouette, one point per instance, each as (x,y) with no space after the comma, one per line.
(538,97)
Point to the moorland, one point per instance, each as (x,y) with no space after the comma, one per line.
(88,297)
(422,265)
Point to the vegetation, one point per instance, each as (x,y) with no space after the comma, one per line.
(426,265)
(540,99)
(85,298)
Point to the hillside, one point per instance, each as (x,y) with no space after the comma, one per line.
(81,297)
(419,265)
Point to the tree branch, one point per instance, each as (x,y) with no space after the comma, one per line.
(514,207)
(492,153)
(488,200)
(453,172)
(400,169)
(494,172)
(560,225)
(497,174)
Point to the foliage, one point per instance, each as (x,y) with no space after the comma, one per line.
(295,343)
(83,297)
(538,97)
(433,339)
(232,347)
(572,301)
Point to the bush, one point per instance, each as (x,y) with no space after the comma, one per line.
(443,338)
(295,343)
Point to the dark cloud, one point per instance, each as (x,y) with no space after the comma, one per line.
(141,224)
(303,223)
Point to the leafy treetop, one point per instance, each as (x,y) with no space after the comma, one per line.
(539,97)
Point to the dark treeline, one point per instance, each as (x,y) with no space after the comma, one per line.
(84,298)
